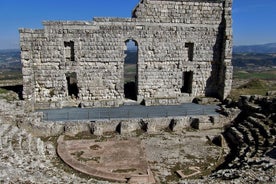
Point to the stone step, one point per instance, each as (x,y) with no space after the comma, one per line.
(50,150)
(40,147)
(262,142)
(11,131)
(247,152)
(234,164)
(32,147)
(258,139)
(238,136)
(4,142)
(6,138)
(272,131)
(5,135)
(3,129)
(16,142)
(25,156)
(262,151)
(243,152)
(263,129)
(259,116)
(248,125)
(25,144)
(254,132)
(231,140)
(247,137)
(257,161)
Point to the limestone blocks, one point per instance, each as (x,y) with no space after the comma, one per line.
(184,50)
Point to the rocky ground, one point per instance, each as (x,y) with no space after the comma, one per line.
(170,152)
(251,138)
(25,158)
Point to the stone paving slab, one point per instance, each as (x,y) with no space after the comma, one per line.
(121,161)
(128,112)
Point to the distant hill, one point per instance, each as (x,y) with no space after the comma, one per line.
(254,60)
(131,57)
(262,49)
(10,60)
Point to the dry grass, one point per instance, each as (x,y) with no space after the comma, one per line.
(253,87)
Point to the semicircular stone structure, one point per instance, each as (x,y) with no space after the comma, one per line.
(121,161)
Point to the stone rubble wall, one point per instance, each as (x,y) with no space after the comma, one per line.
(251,139)
(182,11)
(161,30)
(26,157)
(35,124)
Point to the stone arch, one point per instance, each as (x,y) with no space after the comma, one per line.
(131,69)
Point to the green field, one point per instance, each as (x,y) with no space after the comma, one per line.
(129,72)
(264,75)
(258,82)
(10,75)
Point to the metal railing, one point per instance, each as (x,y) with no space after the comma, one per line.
(74,114)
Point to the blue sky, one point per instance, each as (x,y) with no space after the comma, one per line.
(254,20)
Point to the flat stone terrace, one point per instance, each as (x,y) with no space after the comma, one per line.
(121,161)
(128,112)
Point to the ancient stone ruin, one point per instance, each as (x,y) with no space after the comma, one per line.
(251,139)
(246,151)
(184,50)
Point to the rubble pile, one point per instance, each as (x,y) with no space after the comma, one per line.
(251,138)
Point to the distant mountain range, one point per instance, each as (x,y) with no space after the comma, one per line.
(252,56)
(10,60)
(131,57)
(261,49)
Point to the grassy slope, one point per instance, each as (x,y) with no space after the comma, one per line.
(130,72)
(264,75)
(259,83)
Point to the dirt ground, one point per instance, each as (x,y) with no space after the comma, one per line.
(168,153)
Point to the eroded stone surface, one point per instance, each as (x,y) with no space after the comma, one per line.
(25,158)
(184,51)
(117,160)
(251,137)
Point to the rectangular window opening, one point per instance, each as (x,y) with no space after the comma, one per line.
(69,50)
(72,85)
(187,81)
(190,47)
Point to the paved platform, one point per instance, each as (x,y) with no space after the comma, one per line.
(128,112)
(121,161)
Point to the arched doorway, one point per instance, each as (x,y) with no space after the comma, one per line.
(130,69)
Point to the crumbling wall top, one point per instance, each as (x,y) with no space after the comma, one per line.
(207,12)
(57,23)
(184,50)
(187,0)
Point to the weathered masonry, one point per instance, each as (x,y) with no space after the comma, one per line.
(184,50)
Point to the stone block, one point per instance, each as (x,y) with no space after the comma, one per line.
(126,127)
(95,52)
(76,128)
(96,129)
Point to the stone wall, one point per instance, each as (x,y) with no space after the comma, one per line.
(251,139)
(175,39)
(38,127)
